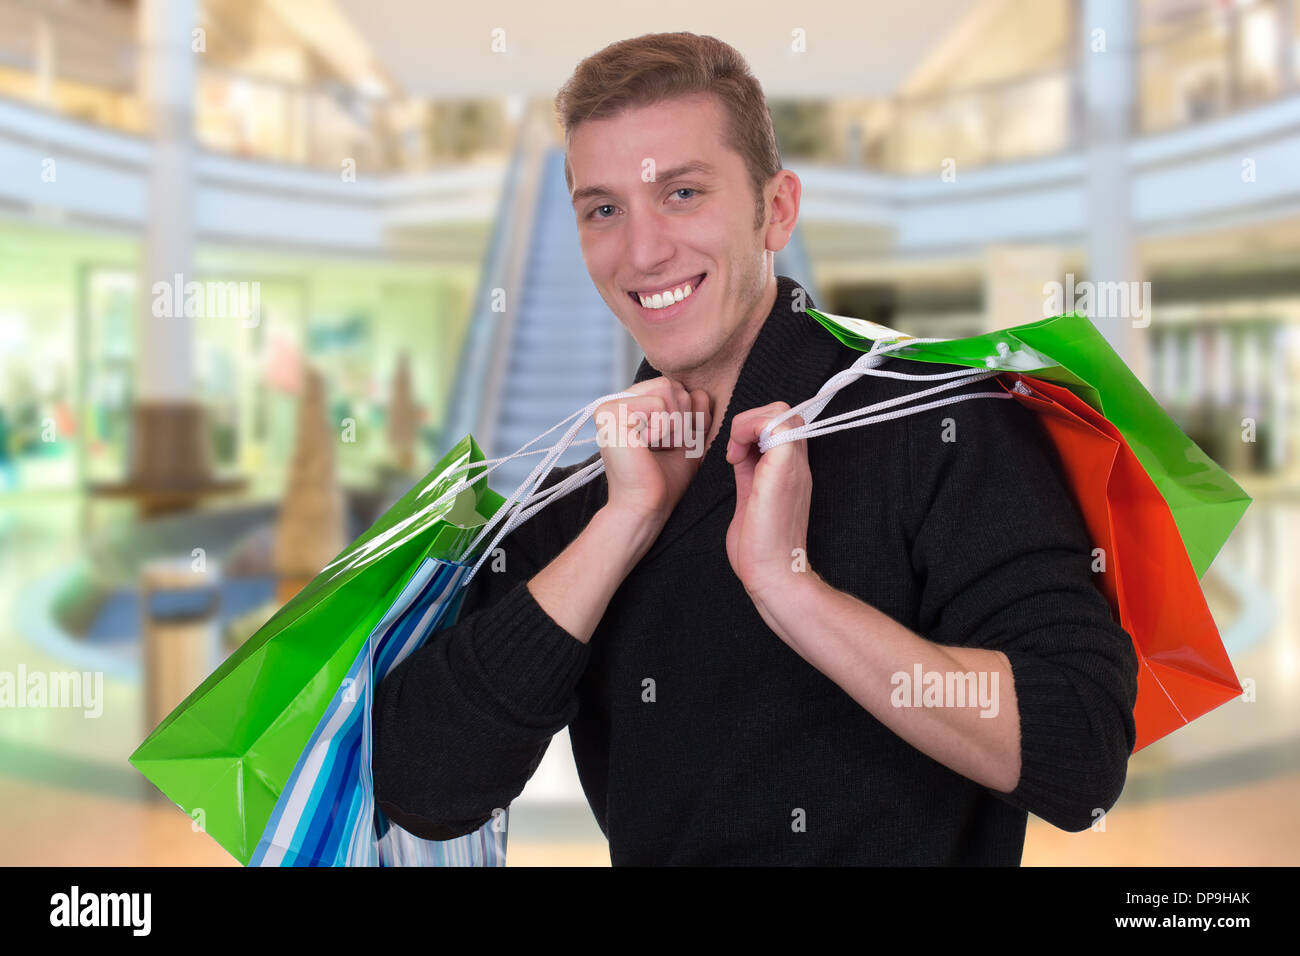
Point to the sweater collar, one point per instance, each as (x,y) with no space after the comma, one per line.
(792,357)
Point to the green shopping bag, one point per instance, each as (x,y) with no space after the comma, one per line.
(231,746)
(1067,349)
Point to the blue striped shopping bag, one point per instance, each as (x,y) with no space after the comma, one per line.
(326,815)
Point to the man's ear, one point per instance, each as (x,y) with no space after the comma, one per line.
(783,191)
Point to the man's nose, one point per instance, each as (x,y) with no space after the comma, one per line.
(650,243)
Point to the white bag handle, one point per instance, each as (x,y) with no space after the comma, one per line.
(866,365)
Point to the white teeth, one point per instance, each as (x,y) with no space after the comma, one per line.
(661,299)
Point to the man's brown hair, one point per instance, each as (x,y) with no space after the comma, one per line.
(654,67)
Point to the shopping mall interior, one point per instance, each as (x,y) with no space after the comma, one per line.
(360,182)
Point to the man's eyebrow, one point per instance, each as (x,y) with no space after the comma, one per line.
(694,166)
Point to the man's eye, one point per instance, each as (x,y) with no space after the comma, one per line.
(599,208)
(686,189)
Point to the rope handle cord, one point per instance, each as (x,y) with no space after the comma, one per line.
(391,537)
(526,500)
(870,414)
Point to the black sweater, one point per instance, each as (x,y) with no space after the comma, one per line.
(974,542)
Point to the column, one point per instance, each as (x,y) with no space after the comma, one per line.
(1108,67)
(169,439)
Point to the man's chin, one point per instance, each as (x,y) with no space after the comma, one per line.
(673,364)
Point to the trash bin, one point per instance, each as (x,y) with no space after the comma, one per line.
(179,617)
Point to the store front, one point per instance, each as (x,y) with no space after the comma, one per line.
(68,327)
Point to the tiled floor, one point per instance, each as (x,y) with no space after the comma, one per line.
(1224,790)
(1249,825)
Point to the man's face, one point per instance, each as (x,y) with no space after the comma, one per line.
(655,226)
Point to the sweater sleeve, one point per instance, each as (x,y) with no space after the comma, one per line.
(461,724)
(1005,562)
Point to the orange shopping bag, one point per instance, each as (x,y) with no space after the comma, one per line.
(1147,576)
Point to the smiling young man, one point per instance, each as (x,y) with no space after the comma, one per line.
(728,637)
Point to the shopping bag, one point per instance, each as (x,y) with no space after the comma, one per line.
(334,772)
(1140,563)
(1118,445)
(283,723)
(1068,350)
(271,753)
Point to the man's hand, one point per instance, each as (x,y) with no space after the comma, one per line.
(768,537)
(647,461)
(647,471)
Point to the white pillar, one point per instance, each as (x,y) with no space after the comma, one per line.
(170,462)
(165,346)
(1107,35)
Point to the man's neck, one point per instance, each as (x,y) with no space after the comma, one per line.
(720,381)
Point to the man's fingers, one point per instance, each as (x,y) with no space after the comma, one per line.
(669,427)
(666,423)
(744,469)
(641,416)
(746,426)
(670,390)
(794,421)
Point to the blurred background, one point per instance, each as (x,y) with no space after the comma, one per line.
(247,254)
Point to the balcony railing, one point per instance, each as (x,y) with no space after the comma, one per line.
(1215,60)
(55,61)
(265,119)
(1208,63)
(993,123)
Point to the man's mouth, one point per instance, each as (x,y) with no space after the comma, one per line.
(668,295)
